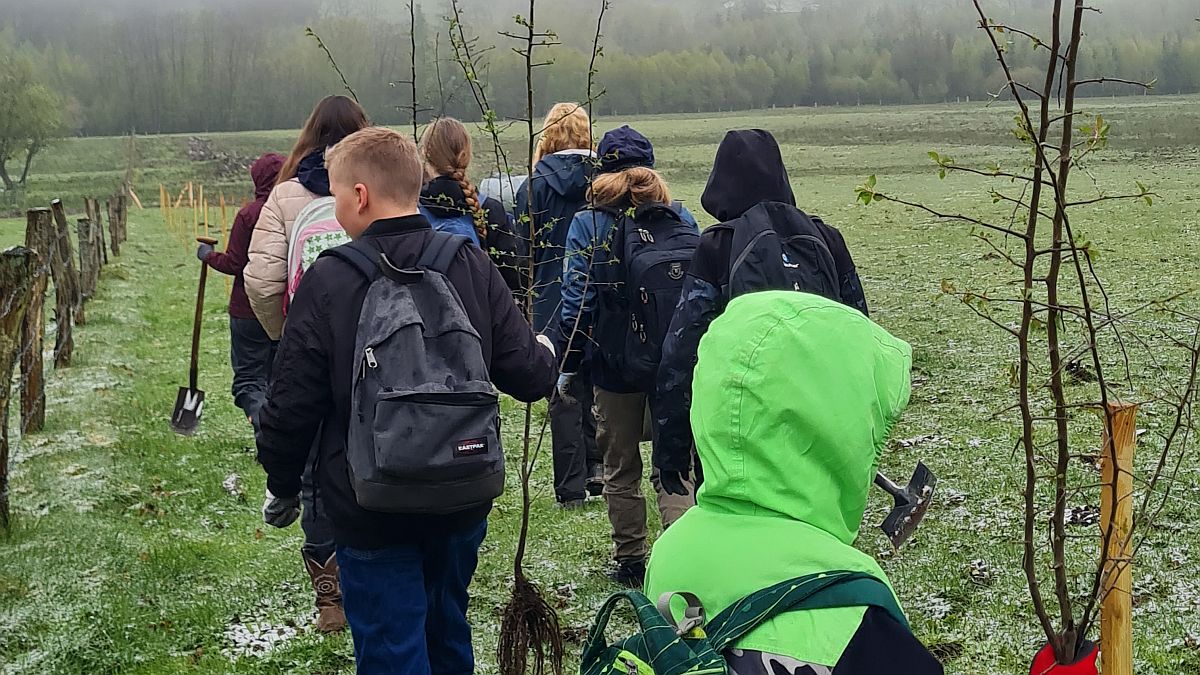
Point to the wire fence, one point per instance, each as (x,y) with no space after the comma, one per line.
(25,275)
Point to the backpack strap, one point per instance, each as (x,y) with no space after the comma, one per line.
(440,251)
(826,590)
(674,210)
(656,642)
(358,254)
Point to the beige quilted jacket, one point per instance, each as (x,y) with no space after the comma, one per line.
(266,271)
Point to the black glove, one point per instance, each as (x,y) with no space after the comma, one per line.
(204,251)
(280,512)
(673,482)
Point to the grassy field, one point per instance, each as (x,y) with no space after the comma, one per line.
(130,556)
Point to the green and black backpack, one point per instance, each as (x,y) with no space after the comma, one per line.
(695,646)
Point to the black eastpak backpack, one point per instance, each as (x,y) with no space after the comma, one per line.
(424,435)
(779,247)
(651,250)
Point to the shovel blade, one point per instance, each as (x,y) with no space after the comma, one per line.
(189,406)
(911,506)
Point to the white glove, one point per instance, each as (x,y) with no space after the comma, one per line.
(547,344)
(279,512)
(565,380)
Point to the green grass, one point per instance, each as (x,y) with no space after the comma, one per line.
(128,555)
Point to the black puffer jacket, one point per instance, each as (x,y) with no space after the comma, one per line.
(444,198)
(310,388)
(748,183)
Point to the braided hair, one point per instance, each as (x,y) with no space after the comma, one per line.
(446,148)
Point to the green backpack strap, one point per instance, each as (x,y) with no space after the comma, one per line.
(656,643)
(825,590)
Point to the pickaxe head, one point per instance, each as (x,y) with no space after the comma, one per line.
(912,501)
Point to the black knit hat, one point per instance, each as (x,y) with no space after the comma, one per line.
(625,148)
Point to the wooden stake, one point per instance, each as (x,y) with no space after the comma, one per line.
(16,275)
(97,219)
(39,237)
(192,203)
(66,288)
(89,258)
(225,241)
(1116,609)
(114,225)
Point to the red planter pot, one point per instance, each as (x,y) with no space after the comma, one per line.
(1044,663)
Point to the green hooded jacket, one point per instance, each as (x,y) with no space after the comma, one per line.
(793,398)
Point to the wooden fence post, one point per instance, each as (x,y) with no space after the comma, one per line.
(96,216)
(16,272)
(67,256)
(39,237)
(62,266)
(123,217)
(1116,609)
(89,258)
(114,225)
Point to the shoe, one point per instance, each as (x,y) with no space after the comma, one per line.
(572,504)
(628,572)
(595,482)
(331,618)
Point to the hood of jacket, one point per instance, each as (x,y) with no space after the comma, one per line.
(794,396)
(312,174)
(566,172)
(748,170)
(264,171)
(444,198)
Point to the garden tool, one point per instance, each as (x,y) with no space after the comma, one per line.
(189,404)
(912,501)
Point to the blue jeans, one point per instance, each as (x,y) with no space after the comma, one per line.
(407,605)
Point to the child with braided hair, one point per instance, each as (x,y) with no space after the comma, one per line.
(451,201)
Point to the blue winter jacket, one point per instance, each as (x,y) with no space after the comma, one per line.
(559,186)
(589,248)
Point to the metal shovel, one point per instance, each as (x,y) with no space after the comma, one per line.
(912,501)
(189,403)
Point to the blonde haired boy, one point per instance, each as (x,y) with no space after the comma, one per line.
(404,576)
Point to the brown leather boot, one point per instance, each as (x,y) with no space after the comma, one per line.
(330,617)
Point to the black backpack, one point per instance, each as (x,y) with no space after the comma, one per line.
(779,247)
(651,251)
(424,434)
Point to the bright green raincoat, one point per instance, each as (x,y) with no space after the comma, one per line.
(793,398)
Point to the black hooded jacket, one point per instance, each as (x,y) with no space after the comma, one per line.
(311,381)
(558,189)
(748,181)
(312,174)
(443,197)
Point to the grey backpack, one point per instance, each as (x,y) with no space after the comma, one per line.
(424,434)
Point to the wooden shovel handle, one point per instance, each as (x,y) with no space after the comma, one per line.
(207,240)
(194,371)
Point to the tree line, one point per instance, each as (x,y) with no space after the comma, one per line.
(128,65)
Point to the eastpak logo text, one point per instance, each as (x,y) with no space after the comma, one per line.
(471,447)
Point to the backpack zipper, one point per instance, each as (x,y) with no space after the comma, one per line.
(368,361)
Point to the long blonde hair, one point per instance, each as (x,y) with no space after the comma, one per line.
(566,127)
(446,148)
(635,186)
(333,118)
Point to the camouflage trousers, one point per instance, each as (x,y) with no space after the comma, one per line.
(620,429)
